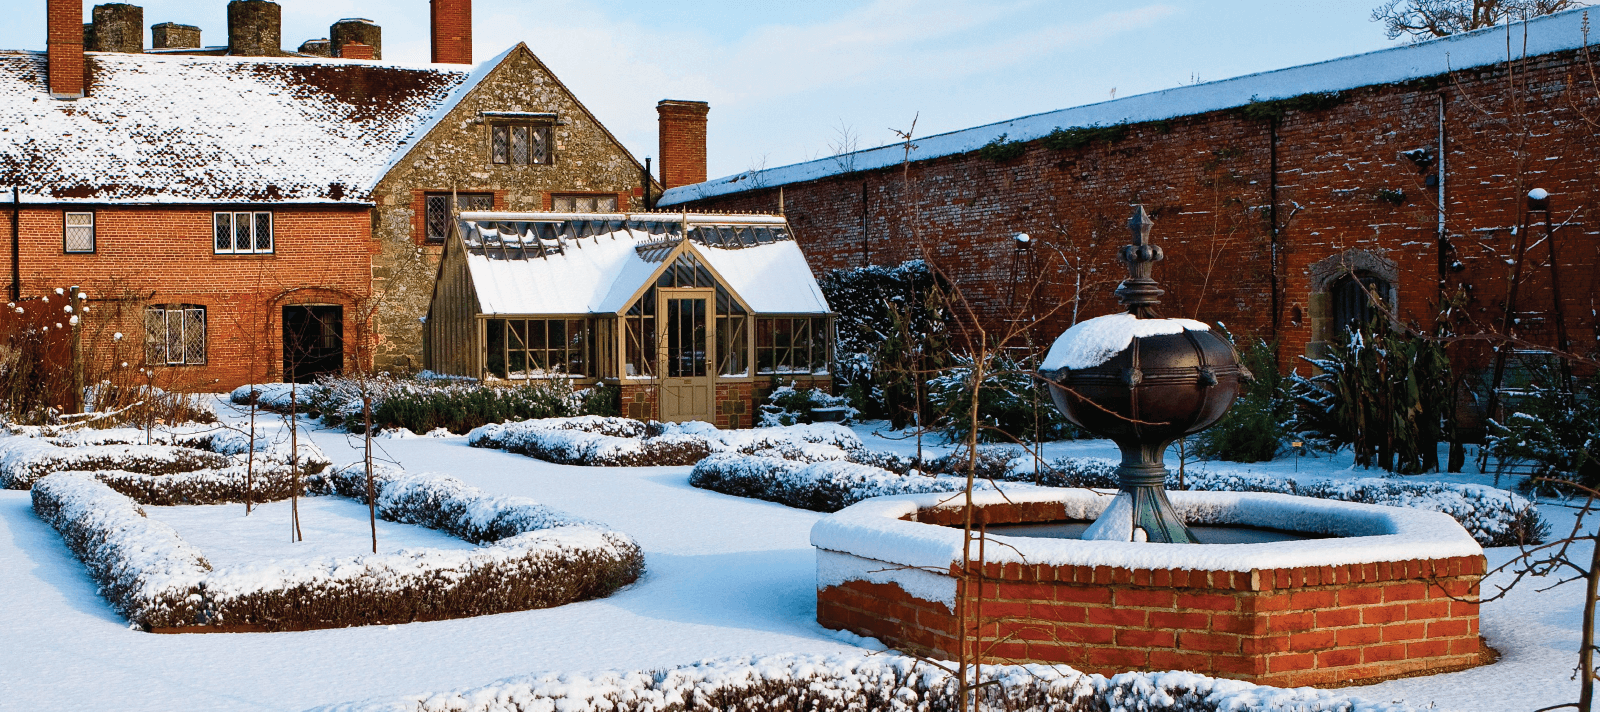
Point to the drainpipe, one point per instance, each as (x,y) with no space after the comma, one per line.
(645,180)
(1443,238)
(1272,214)
(16,243)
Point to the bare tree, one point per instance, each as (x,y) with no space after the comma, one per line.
(1428,19)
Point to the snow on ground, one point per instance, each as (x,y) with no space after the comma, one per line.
(727,576)
(334,527)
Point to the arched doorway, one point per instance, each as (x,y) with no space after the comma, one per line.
(1342,287)
(1355,299)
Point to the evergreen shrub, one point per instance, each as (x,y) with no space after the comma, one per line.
(1255,428)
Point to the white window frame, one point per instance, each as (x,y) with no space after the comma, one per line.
(66,232)
(160,322)
(256,246)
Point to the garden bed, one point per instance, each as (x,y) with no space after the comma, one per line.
(789,683)
(623,442)
(529,556)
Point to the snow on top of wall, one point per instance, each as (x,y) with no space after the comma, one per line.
(1552,33)
(601,274)
(1090,343)
(1360,533)
(178,129)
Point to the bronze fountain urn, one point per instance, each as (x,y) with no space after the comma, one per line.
(1143,382)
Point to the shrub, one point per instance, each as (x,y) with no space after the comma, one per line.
(817,486)
(1254,429)
(1012,404)
(623,442)
(891,331)
(1067,139)
(787,405)
(24,460)
(1000,150)
(1554,427)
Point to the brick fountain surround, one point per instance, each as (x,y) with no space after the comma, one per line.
(1394,593)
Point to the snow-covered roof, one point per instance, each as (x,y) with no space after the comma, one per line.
(1552,33)
(562,263)
(178,129)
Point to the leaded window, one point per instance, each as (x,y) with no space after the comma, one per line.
(584,203)
(175,334)
(79,235)
(792,345)
(242,233)
(436,210)
(520,144)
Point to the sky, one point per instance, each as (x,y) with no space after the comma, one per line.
(792,81)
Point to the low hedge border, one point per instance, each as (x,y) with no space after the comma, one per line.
(1494,517)
(845,683)
(203,458)
(596,441)
(530,557)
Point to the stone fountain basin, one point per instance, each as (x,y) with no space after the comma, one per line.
(1385,591)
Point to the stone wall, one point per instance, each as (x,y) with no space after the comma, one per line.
(1343,186)
(455,155)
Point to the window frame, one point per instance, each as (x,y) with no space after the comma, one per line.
(254,238)
(429,196)
(818,337)
(186,314)
(509,128)
(517,345)
(555,198)
(66,233)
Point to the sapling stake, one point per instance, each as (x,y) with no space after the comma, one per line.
(372,506)
(294,465)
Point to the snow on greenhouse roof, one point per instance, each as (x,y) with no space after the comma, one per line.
(564,263)
(1552,33)
(176,129)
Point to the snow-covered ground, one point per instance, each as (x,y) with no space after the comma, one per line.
(727,576)
(330,526)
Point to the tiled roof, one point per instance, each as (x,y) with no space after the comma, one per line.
(178,129)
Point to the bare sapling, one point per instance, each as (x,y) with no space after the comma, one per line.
(372,497)
(294,464)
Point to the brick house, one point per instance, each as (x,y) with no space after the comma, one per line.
(1276,195)
(245,213)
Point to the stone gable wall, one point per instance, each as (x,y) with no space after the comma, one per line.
(456,155)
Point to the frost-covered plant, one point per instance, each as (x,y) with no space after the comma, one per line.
(891,332)
(827,486)
(1255,428)
(788,405)
(1552,426)
(1012,403)
(1381,393)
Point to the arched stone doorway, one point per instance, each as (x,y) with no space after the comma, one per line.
(1340,289)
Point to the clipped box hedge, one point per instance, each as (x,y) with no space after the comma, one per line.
(530,556)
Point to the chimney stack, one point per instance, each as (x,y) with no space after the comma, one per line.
(356,30)
(118,27)
(255,28)
(682,129)
(64,42)
(171,35)
(316,48)
(356,50)
(451,22)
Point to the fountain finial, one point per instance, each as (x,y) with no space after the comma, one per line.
(1139,292)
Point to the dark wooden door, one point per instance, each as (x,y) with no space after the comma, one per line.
(313,342)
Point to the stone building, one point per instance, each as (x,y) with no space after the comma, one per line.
(268,213)
(1276,195)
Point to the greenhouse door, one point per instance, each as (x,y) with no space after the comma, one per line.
(687,385)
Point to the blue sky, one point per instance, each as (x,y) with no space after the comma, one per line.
(783,78)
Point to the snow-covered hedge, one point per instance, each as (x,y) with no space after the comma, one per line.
(531,557)
(623,442)
(826,486)
(841,683)
(23,460)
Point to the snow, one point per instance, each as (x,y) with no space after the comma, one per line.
(1552,33)
(1359,533)
(1090,343)
(331,527)
(174,129)
(727,576)
(604,273)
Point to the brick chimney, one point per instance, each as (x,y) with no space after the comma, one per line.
(355,30)
(682,128)
(64,42)
(171,35)
(117,27)
(255,28)
(452,31)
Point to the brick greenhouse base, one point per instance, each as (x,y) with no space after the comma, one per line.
(1291,627)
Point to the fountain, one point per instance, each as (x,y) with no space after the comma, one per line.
(1264,587)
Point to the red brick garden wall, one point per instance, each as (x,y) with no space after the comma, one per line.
(1342,184)
(159,255)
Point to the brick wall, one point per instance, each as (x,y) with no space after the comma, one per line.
(1342,185)
(451,31)
(164,255)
